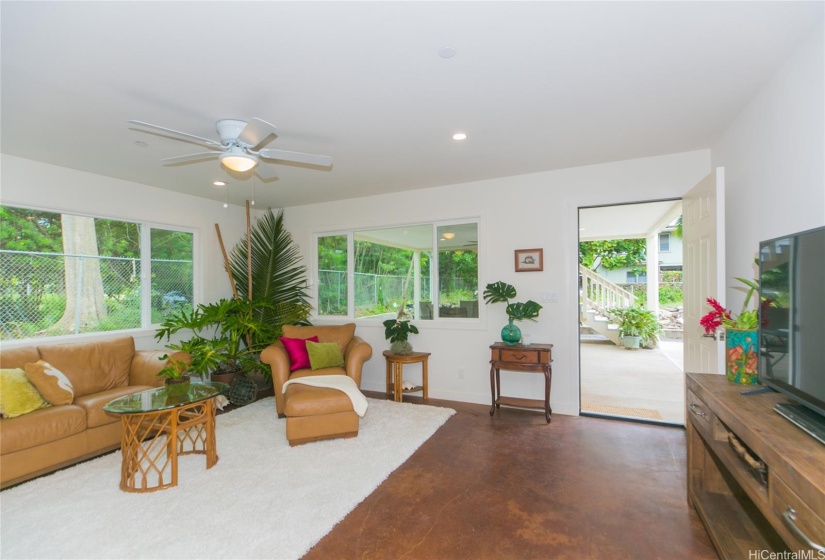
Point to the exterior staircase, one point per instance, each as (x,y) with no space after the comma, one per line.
(597,295)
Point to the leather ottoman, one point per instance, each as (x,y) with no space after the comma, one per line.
(317,413)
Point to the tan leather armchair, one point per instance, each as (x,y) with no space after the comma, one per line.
(355,350)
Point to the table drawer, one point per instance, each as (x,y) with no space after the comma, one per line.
(520,356)
(796,515)
(700,412)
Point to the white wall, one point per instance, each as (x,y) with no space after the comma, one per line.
(522,212)
(774,160)
(38,185)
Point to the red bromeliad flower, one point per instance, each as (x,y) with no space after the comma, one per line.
(715,318)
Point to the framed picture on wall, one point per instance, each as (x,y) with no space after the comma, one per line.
(529,260)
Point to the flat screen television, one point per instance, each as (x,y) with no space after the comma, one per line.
(792,325)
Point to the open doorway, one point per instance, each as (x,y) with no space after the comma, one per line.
(630,275)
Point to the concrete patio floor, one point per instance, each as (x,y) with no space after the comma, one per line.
(646,384)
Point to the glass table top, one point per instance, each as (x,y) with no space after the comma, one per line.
(157,399)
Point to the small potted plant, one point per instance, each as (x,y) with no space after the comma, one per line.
(637,326)
(398,331)
(176,373)
(517,311)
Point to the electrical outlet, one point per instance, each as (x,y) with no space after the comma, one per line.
(461,373)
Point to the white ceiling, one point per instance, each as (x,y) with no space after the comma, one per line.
(535,85)
(627,221)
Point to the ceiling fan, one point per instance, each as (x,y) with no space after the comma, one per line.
(236,149)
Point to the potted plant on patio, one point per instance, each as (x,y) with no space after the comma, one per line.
(498,292)
(637,326)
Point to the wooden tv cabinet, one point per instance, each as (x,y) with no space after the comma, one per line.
(763,491)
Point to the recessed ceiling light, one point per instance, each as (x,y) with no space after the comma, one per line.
(459,136)
(446,52)
(225,205)
(140,144)
(449,235)
(219,183)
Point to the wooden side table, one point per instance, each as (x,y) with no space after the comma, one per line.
(395,366)
(533,358)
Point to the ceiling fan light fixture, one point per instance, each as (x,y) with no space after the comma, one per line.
(236,160)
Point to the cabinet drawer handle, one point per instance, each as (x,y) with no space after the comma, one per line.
(520,356)
(789,517)
(694,408)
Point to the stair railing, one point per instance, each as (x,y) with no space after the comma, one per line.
(600,294)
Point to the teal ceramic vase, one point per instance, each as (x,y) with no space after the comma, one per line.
(742,357)
(510,334)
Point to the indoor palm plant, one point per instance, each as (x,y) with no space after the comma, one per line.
(501,292)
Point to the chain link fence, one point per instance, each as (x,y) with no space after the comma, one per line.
(39,293)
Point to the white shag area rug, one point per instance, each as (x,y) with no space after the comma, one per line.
(263,499)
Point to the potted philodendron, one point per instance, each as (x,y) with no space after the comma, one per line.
(398,331)
(637,326)
(227,337)
(498,292)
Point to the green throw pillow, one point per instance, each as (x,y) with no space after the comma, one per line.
(17,395)
(324,354)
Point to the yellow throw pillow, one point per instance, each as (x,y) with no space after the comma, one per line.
(324,354)
(50,382)
(17,395)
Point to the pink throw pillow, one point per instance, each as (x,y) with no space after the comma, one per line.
(296,349)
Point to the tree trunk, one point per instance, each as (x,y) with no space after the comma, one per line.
(85,303)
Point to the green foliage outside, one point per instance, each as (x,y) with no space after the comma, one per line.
(613,253)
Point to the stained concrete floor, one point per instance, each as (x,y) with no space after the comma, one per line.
(514,487)
(613,378)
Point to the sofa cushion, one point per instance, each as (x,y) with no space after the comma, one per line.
(93,404)
(41,426)
(341,334)
(18,357)
(17,395)
(50,382)
(324,354)
(92,367)
(296,349)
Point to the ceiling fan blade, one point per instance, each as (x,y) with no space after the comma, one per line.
(312,159)
(256,131)
(190,157)
(265,173)
(206,141)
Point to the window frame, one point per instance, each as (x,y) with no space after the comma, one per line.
(146,325)
(664,236)
(435,285)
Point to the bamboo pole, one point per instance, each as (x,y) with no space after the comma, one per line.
(248,255)
(226,262)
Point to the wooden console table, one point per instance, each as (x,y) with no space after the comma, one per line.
(395,370)
(756,480)
(533,358)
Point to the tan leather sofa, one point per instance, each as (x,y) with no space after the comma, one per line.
(51,438)
(315,413)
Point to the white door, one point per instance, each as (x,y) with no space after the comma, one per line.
(703,242)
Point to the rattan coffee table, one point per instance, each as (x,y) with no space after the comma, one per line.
(158,427)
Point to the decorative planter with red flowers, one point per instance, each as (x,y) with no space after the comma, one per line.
(741,336)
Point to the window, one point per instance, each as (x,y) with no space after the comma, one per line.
(636,277)
(392,268)
(66,274)
(664,242)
